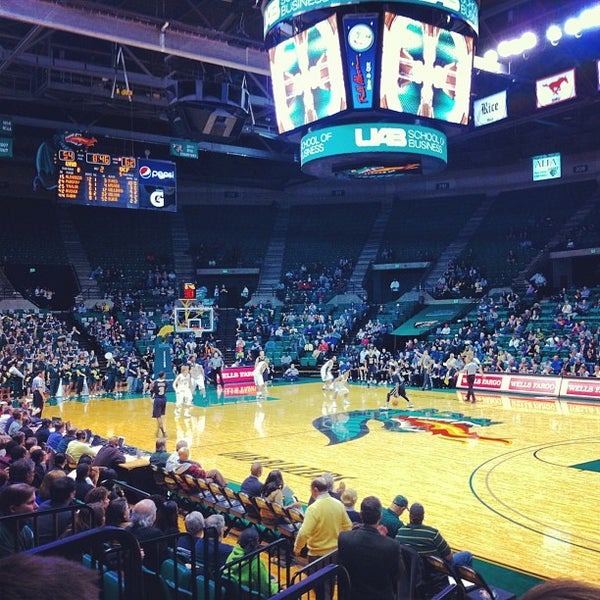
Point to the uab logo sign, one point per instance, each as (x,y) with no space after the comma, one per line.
(374,137)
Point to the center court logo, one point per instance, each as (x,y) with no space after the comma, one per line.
(349,426)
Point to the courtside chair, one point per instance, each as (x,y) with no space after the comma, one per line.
(476,586)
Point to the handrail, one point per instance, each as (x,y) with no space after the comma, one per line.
(317,580)
(130,572)
(316,565)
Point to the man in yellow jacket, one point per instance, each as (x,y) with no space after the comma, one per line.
(323,521)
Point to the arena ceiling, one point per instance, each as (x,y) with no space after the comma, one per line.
(106,66)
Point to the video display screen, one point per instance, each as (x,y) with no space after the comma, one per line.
(307,76)
(425,70)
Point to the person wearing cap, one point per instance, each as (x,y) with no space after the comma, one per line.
(373,561)
(254,573)
(428,540)
(390,518)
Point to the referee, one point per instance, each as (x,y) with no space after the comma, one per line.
(471,369)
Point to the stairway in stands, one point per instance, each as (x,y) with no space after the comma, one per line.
(371,248)
(182,257)
(226,333)
(77,256)
(270,272)
(456,247)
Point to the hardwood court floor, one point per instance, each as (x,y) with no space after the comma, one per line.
(513,479)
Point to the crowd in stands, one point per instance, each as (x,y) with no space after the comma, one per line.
(507,334)
(314,283)
(460,280)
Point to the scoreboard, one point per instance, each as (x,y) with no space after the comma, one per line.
(95,179)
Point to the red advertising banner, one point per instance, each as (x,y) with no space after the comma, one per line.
(483,381)
(238,374)
(536,385)
(532,385)
(588,388)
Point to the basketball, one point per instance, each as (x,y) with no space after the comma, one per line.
(395,402)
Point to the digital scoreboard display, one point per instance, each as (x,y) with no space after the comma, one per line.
(96,179)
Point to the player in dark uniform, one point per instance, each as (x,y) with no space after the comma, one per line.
(53,376)
(159,406)
(371,362)
(398,390)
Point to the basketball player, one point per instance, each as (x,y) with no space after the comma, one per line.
(339,386)
(260,370)
(327,373)
(183,391)
(197,375)
(398,390)
(159,405)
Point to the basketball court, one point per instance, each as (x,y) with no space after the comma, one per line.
(515,480)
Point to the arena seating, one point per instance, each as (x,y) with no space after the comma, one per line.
(231,235)
(420,230)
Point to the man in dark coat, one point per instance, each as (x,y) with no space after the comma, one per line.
(373,561)
(110,456)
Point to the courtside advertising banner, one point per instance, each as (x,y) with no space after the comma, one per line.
(587,388)
(533,385)
(483,381)
(556,88)
(490,109)
(238,374)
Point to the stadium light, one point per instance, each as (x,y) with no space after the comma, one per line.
(554,34)
(590,17)
(504,49)
(574,26)
(490,56)
(528,40)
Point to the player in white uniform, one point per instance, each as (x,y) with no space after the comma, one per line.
(183,391)
(339,386)
(327,373)
(197,376)
(260,370)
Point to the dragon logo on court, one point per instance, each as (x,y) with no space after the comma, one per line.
(348,426)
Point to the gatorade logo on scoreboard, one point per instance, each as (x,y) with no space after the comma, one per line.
(157,197)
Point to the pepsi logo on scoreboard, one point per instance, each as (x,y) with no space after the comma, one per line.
(157,180)
(157,171)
